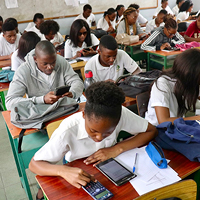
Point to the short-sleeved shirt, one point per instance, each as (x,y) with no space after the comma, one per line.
(168,9)
(182,16)
(151,25)
(70,49)
(89,20)
(103,24)
(193,30)
(101,73)
(141,19)
(57,38)
(34,29)
(71,140)
(15,61)
(175,10)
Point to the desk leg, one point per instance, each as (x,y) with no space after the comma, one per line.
(3,100)
(197,180)
(83,73)
(148,61)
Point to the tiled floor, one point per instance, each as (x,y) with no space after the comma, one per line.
(10,185)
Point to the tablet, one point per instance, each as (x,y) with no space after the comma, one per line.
(61,90)
(115,172)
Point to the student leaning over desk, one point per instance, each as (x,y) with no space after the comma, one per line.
(92,134)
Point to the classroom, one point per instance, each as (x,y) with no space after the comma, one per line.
(72,101)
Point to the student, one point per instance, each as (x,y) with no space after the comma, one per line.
(80,38)
(156,22)
(176,8)
(38,77)
(164,5)
(129,23)
(141,20)
(107,22)
(49,30)
(1,23)
(92,134)
(9,41)
(87,15)
(15,24)
(119,10)
(184,11)
(193,31)
(38,19)
(177,90)
(163,37)
(110,63)
(27,42)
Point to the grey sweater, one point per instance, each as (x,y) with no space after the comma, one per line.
(27,81)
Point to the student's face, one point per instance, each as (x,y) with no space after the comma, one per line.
(132,18)
(112,16)
(82,34)
(45,63)
(164,4)
(39,22)
(120,11)
(190,9)
(1,23)
(160,18)
(10,36)
(98,128)
(50,36)
(87,13)
(170,32)
(198,22)
(107,56)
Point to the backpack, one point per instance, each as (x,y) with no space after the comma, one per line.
(126,39)
(6,75)
(139,83)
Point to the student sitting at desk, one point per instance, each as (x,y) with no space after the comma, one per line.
(87,15)
(9,41)
(27,42)
(80,38)
(49,30)
(163,37)
(129,23)
(119,10)
(141,20)
(38,77)
(1,23)
(176,8)
(193,31)
(92,134)
(38,19)
(184,12)
(177,90)
(156,22)
(107,22)
(110,63)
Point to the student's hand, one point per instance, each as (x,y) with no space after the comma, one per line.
(68,94)
(165,45)
(144,36)
(88,53)
(76,176)
(107,19)
(78,54)
(110,29)
(102,155)
(51,98)
(56,43)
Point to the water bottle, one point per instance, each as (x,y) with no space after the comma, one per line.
(88,79)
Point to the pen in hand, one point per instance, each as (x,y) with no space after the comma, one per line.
(135,162)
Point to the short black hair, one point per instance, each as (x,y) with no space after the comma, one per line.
(162,1)
(104,100)
(87,6)
(110,11)
(133,5)
(49,26)
(12,21)
(45,47)
(178,1)
(38,16)
(185,6)
(108,42)
(119,7)
(1,19)
(163,12)
(8,27)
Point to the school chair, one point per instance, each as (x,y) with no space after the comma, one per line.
(185,190)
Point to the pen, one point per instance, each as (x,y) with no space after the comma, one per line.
(135,162)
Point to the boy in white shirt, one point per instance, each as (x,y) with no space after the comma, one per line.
(176,8)
(87,15)
(110,62)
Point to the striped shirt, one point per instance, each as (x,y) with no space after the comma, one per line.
(157,38)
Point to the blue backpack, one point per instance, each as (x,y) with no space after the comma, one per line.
(6,76)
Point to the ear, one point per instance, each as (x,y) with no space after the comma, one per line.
(99,52)
(35,58)
(83,114)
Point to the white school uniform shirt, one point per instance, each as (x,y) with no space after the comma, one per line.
(141,19)
(151,25)
(103,24)
(71,140)
(175,10)
(70,49)
(15,61)
(119,20)
(182,16)
(34,29)
(57,38)
(30,25)
(101,73)
(89,20)
(168,9)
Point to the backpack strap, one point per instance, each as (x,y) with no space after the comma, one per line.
(20,140)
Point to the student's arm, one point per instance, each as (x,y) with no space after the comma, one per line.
(8,57)
(68,51)
(191,39)
(133,142)
(178,39)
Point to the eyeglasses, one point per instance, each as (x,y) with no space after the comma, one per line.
(170,34)
(82,33)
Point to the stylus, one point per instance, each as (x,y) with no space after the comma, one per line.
(135,162)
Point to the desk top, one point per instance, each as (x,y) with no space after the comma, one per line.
(5,63)
(164,53)
(15,131)
(78,65)
(57,188)
(4,86)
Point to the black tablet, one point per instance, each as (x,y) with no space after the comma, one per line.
(115,172)
(61,90)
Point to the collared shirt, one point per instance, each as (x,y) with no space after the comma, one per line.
(141,19)
(168,9)
(57,38)
(34,29)
(101,73)
(175,10)
(15,61)
(89,20)
(182,16)
(72,140)
(151,25)
(103,24)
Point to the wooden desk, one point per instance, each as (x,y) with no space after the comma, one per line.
(79,66)
(3,87)
(57,188)
(5,63)
(163,57)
